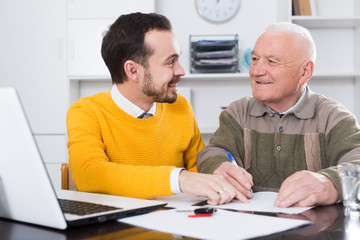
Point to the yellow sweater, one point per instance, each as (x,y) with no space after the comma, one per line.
(114,153)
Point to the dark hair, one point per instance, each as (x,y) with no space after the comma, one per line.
(125,41)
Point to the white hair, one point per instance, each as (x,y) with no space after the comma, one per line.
(299,31)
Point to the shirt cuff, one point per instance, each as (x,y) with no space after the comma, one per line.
(174,180)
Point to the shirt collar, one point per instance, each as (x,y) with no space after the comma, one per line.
(293,107)
(127,106)
(304,107)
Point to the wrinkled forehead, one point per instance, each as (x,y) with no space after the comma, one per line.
(283,45)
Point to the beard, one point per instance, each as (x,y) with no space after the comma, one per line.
(161,95)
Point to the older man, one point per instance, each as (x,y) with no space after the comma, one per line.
(285,138)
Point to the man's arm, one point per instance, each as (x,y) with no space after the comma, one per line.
(307,188)
(214,187)
(214,159)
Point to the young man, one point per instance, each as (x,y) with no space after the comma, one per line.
(286,138)
(140,139)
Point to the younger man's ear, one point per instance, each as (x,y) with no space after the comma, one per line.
(132,70)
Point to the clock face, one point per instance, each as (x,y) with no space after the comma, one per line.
(217,10)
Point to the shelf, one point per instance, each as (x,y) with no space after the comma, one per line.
(216,76)
(335,75)
(326,22)
(90,78)
(213,76)
(202,76)
(245,76)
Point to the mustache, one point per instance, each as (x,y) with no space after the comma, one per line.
(176,79)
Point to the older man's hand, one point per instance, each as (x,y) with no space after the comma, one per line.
(305,188)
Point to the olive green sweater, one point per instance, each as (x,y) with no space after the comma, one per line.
(317,135)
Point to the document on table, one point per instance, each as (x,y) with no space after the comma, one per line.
(262,202)
(181,200)
(222,225)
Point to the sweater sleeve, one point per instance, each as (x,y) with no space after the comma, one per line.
(228,137)
(93,172)
(342,146)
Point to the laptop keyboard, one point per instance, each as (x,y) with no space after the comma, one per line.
(83,208)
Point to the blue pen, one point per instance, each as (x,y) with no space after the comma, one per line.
(232,160)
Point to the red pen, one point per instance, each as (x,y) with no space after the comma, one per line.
(201,215)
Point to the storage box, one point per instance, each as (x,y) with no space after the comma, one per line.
(214,54)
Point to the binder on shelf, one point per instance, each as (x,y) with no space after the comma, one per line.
(304,8)
(295,8)
(214,54)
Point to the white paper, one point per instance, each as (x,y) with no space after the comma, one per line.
(222,225)
(181,200)
(262,202)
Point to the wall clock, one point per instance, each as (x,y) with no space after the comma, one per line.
(217,10)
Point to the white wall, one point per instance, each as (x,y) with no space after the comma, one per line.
(251,19)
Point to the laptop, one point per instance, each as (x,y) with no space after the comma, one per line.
(26,192)
(12,230)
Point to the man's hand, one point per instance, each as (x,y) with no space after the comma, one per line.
(305,188)
(238,177)
(213,187)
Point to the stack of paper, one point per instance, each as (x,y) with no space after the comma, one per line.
(223,224)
